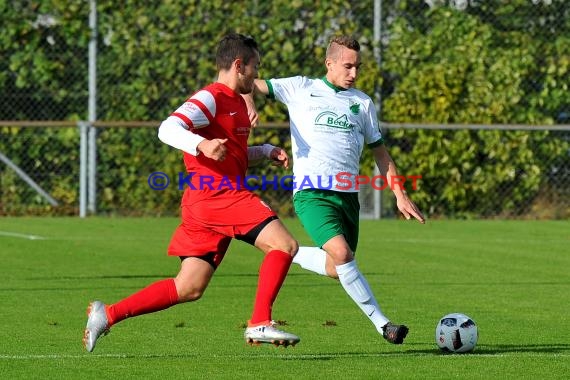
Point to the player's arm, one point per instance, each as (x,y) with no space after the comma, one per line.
(177,129)
(175,132)
(258,153)
(388,169)
(259,87)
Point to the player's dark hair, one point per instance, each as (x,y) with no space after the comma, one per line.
(346,41)
(233,46)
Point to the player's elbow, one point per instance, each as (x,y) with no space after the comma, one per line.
(163,131)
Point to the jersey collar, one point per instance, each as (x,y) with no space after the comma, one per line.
(335,88)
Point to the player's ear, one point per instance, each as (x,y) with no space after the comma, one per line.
(238,64)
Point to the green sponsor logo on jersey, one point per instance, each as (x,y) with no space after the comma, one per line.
(332,120)
(354,108)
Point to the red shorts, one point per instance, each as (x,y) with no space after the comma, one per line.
(209,224)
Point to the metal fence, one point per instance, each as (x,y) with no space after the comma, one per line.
(536,189)
(69,145)
(50,185)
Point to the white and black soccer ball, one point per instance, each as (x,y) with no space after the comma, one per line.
(456,333)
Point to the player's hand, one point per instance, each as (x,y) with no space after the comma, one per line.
(253,117)
(251,109)
(409,208)
(279,157)
(214,149)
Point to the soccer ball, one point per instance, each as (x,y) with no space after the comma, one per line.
(456,333)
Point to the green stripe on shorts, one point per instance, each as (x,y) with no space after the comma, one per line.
(327,213)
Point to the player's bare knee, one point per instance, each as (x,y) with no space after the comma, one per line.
(189,292)
(339,251)
(189,295)
(287,244)
(341,256)
(292,247)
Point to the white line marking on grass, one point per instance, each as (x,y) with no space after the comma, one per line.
(277,356)
(67,356)
(21,236)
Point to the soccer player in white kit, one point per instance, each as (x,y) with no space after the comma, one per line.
(330,123)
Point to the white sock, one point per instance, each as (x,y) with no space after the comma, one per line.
(357,288)
(312,258)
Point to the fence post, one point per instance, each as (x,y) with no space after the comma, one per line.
(92,169)
(83,127)
(377,195)
(92,110)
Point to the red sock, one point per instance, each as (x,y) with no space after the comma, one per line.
(157,296)
(272,273)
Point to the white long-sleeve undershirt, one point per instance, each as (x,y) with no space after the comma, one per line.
(175,133)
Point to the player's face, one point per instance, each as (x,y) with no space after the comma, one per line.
(343,71)
(248,74)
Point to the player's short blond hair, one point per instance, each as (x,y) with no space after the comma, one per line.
(337,41)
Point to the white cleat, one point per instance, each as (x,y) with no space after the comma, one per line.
(96,324)
(269,334)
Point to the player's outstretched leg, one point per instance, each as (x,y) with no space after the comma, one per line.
(269,334)
(97,324)
(394,333)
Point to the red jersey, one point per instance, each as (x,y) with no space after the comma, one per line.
(216,111)
(216,207)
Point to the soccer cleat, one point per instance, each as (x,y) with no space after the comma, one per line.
(394,333)
(269,334)
(97,324)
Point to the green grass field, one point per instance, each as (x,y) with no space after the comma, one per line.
(511,277)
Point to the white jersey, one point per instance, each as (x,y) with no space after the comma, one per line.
(329,127)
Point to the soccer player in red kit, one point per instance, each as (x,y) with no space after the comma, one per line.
(212,128)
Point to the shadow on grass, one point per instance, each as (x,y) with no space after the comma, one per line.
(129,276)
(557,348)
(506,350)
(488,350)
(294,274)
(291,355)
